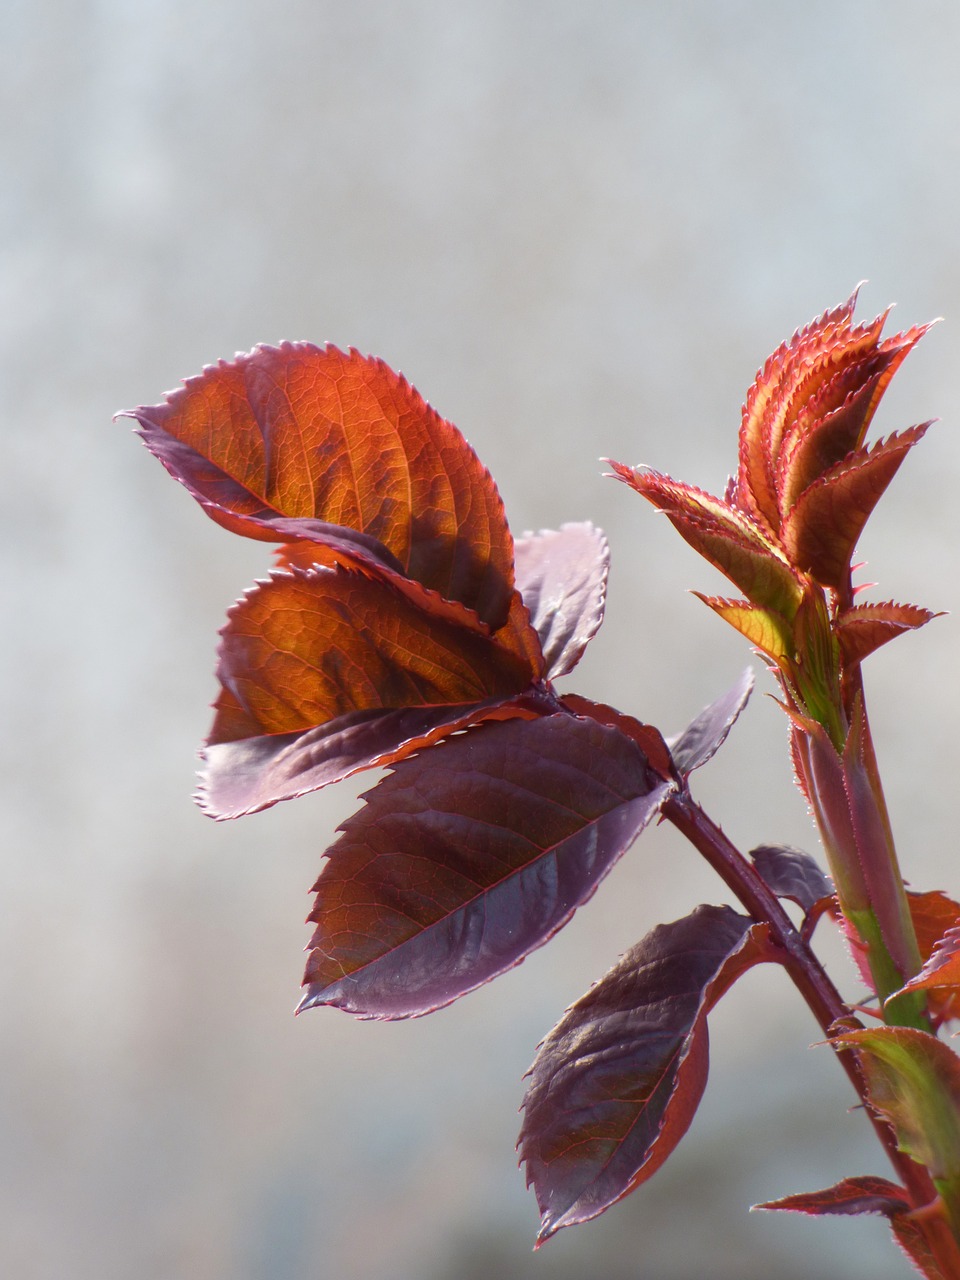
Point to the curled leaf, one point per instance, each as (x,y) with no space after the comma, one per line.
(823,527)
(562,577)
(913,1081)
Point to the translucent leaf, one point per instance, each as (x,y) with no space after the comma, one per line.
(730,540)
(822,529)
(305,648)
(865,627)
(287,443)
(913,1081)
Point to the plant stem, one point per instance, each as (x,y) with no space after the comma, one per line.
(822,997)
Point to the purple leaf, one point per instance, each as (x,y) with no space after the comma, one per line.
(617,1082)
(792,874)
(253,773)
(468,857)
(562,576)
(705,735)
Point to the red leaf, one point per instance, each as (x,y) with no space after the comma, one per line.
(562,576)
(468,857)
(733,542)
(940,975)
(756,491)
(285,442)
(822,529)
(865,627)
(706,733)
(648,738)
(851,1196)
(834,422)
(616,1083)
(909,1235)
(305,648)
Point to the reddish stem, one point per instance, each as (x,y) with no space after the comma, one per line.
(822,997)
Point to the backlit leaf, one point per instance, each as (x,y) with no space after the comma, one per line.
(562,576)
(913,1081)
(305,648)
(865,627)
(937,921)
(706,733)
(764,628)
(617,1082)
(822,529)
(732,541)
(834,422)
(470,855)
(755,487)
(299,433)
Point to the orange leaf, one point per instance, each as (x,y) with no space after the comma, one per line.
(307,647)
(285,440)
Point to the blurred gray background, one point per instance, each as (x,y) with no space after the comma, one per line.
(578,229)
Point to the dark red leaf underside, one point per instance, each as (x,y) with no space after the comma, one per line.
(469,856)
(851,1196)
(909,1236)
(706,733)
(792,874)
(306,648)
(309,434)
(617,1082)
(562,576)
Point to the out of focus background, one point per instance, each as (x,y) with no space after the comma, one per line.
(578,229)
